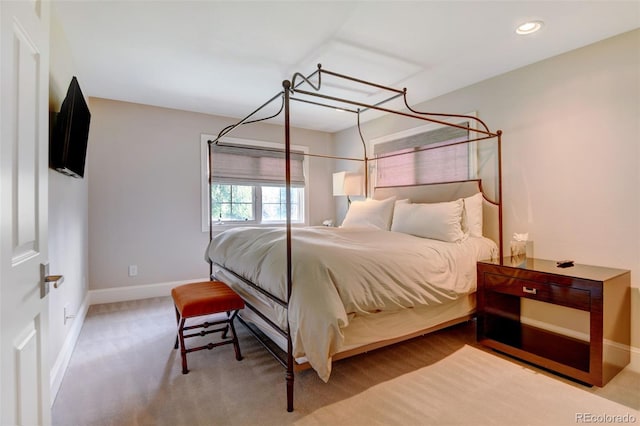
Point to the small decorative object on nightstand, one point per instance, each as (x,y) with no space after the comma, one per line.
(521,248)
(603,293)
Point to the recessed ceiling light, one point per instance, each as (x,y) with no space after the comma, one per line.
(529,27)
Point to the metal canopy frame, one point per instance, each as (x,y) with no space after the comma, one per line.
(294,90)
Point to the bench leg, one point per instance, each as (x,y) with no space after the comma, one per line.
(226,329)
(178,324)
(229,327)
(183,350)
(236,345)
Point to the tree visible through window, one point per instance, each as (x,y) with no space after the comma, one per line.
(232,202)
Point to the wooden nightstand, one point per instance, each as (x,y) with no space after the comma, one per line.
(603,293)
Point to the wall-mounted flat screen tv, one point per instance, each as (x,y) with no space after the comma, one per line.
(68,143)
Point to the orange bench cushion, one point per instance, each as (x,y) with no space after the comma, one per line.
(205,298)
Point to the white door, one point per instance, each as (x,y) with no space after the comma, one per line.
(24,94)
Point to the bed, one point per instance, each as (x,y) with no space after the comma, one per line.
(315,295)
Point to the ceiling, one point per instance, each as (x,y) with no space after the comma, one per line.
(229,57)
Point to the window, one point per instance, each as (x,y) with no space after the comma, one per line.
(232,202)
(274,204)
(248,183)
(243,203)
(407,158)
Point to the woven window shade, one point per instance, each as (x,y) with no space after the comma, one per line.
(410,160)
(255,165)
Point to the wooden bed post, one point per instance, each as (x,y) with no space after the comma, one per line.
(287,153)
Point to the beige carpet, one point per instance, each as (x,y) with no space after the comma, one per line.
(125,372)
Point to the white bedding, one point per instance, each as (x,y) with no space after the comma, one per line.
(339,274)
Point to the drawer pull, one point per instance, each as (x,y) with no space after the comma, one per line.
(529,290)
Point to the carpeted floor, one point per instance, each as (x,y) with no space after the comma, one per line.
(124,371)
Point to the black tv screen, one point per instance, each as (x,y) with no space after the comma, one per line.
(68,145)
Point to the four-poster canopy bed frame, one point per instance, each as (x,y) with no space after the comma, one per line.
(294,90)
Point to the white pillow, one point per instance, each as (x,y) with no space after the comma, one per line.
(376,214)
(438,221)
(402,201)
(472,215)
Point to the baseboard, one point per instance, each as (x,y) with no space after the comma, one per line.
(136,292)
(64,356)
(634,365)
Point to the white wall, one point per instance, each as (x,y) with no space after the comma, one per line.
(571,155)
(68,227)
(144,190)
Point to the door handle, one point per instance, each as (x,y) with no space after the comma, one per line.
(57,280)
(46,280)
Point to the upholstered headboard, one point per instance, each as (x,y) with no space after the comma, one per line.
(450,191)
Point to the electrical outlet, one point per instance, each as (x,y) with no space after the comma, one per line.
(133,270)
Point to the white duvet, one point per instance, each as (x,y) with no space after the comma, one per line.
(341,272)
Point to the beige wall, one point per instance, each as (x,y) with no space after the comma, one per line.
(571,155)
(144,193)
(68,221)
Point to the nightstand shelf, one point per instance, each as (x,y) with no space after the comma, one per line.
(602,293)
(527,341)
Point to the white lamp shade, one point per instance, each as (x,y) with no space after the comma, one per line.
(347,184)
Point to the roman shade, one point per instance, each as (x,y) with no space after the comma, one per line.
(410,160)
(251,165)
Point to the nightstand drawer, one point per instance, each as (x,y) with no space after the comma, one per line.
(544,292)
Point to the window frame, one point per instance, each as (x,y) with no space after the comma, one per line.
(204,182)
